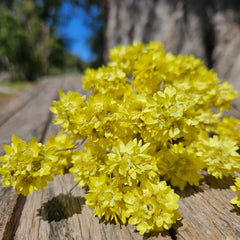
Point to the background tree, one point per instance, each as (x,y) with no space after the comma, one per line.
(15,49)
(97,11)
(29,42)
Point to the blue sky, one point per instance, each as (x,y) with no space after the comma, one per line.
(76,29)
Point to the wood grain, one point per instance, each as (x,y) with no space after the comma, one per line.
(30,121)
(34,116)
(207,213)
(16,104)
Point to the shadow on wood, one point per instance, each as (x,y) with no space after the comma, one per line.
(188,191)
(223,183)
(61,207)
(236,210)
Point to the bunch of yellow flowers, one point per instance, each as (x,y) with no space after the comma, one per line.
(153,120)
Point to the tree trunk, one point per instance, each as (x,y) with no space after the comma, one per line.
(44,49)
(209,29)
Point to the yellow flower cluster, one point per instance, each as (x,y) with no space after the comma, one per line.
(63,146)
(66,109)
(26,167)
(152,117)
(236,188)
(150,206)
(220,156)
(230,126)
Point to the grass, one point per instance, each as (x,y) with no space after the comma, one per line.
(5,97)
(16,84)
(2,94)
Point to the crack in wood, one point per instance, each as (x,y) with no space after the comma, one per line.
(12,224)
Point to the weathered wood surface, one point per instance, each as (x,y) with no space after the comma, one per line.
(59,214)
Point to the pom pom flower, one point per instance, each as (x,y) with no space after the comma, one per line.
(64,145)
(220,156)
(26,167)
(152,206)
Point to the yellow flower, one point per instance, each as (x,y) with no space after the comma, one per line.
(26,167)
(236,188)
(220,156)
(105,197)
(230,127)
(86,163)
(112,77)
(130,162)
(150,69)
(179,165)
(66,108)
(124,57)
(224,96)
(175,116)
(65,146)
(152,207)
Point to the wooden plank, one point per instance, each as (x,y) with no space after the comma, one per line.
(34,116)
(16,104)
(55,214)
(30,121)
(207,213)
(10,204)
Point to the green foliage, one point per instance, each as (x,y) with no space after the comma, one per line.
(7,3)
(74,63)
(29,46)
(97,12)
(16,51)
